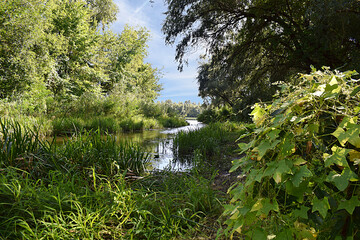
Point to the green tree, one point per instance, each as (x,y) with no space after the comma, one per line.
(55,50)
(253,44)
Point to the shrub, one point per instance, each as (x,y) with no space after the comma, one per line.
(302,164)
(172,122)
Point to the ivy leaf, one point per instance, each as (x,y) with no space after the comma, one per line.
(254,175)
(347,120)
(302,212)
(264,206)
(270,170)
(303,172)
(321,205)
(273,134)
(350,205)
(297,191)
(280,170)
(235,165)
(236,192)
(342,181)
(354,156)
(257,206)
(285,235)
(258,115)
(355,141)
(338,157)
(299,161)
(288,146)
(341,135)
(264,146)
(258,233)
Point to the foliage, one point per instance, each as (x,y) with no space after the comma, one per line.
(171,109)
(213,142)
(302,163)
(78,191)
(252,44)
(214,114)
(54,56)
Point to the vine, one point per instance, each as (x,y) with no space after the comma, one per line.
(302,163)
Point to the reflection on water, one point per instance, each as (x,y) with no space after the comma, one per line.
(160,144)
(157,142)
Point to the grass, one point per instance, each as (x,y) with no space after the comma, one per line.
(109,124)
(78,191)
(209,140)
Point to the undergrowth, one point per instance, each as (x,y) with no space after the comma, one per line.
(78,190)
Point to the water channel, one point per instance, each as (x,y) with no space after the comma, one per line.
(160,144)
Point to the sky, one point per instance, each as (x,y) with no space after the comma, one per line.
(177,86)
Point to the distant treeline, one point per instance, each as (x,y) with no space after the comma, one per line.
(183,109)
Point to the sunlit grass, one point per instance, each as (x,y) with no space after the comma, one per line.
(78,190)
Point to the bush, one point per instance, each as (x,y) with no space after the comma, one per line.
(172,122)
(302,164)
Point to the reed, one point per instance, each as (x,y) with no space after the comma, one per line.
(78,191)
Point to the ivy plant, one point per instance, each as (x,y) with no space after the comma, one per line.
(301,163)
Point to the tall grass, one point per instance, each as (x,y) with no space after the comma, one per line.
(78,191)
(215,142)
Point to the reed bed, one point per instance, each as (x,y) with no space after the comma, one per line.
(78,191)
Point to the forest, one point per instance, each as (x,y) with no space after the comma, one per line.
(277,157)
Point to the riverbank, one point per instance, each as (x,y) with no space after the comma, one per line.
(85,189)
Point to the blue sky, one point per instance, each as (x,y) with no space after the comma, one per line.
(177,86)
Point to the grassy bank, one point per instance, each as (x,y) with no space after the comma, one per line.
(82,190)
(215,142)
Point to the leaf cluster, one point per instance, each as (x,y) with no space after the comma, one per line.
(58,50)
(251,44)
(302,163)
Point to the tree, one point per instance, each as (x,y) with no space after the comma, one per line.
(55,50)
(253,44)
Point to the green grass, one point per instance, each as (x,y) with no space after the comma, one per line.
(78,191)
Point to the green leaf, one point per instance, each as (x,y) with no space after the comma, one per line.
(285,235)
(236,164)
(303,172)
(257,206)
(338,157)
(350,205)
(321,205)
(341,135)
(355,91)
(342,181)
(254,175)
(280,170)
(299,161)
(258,114)
(298,192)
(288,146)
(264,146)
(244,146)
(302,212)
(313,128)
(258,234)
(273,134)
(270,170)
(237,192)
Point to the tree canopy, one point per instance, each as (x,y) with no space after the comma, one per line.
(61,49)
(252,44)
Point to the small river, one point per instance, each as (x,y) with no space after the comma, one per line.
(160,144)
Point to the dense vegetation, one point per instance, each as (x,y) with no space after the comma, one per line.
(252,44)
(85,189)
(62,68)
(302,163)
(62,71)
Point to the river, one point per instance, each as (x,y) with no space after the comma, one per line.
(160,144)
